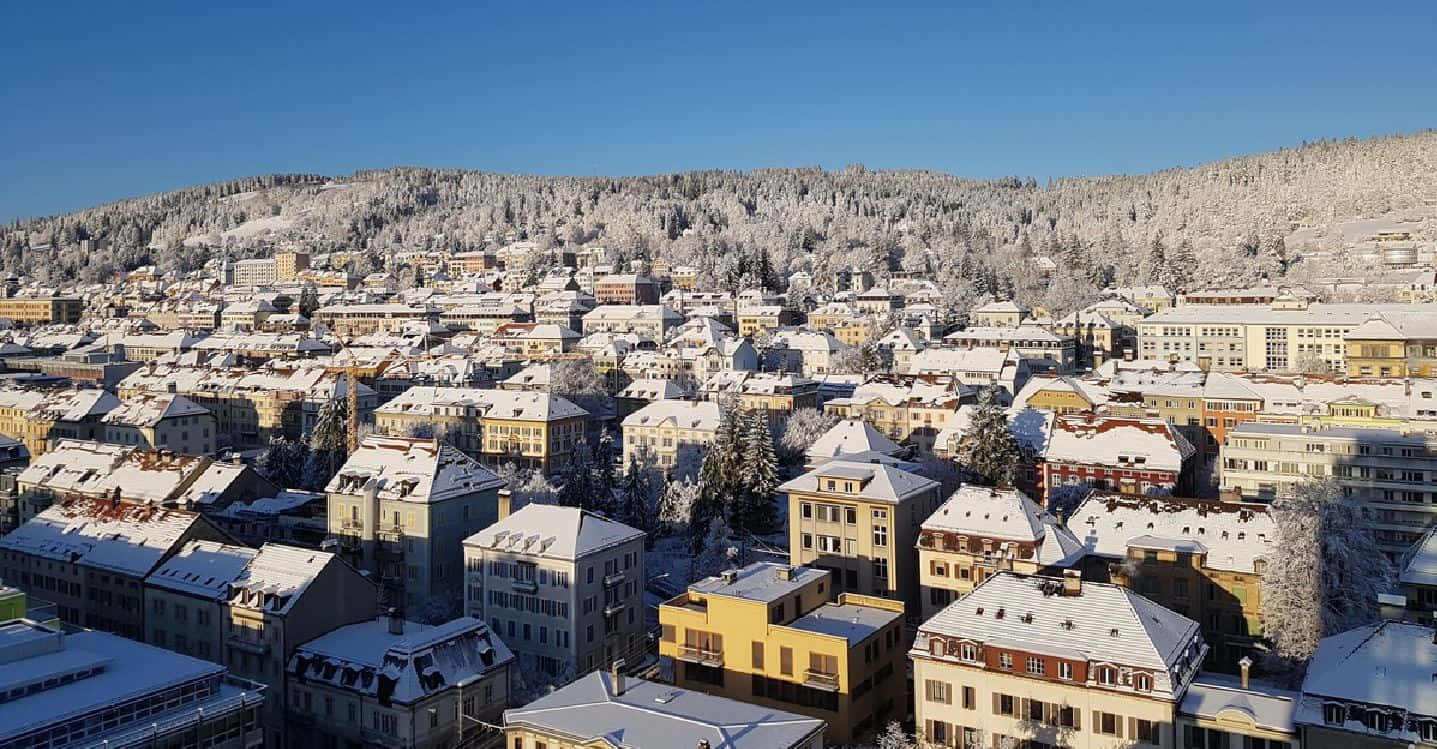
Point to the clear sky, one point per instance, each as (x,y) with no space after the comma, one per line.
(104,100)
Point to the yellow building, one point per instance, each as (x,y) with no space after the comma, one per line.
(756,319)
(860,521)
(1062,395)
(674,432)
(42,310)
(1392,345)
(855,330)
(769,634)
(287,265)
(981,531)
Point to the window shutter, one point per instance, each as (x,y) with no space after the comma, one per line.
(995,704)
(1097,721)
(1023,708)
(1077,719)
(1118,724)
(1133,727)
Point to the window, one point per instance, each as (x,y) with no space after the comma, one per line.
(785,661)
(1143,683)
(1068,717)
(1107,675)
(1005,660)
(970,698)
(1108,724)
(758,654)
(850,515)
(1035,666)
(938,691)
(806,510)
(880,573)
(968,651)
(1004,704)
(1147,731)
(1065,671)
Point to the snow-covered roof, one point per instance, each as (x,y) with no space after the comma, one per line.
(652,389)
(850,437)
(553,532)
(650,715)
(202,568)
(276,577)
(412,470)
(1008,515)
(1233,535)
(763,582)
(1086,439)
(1102,624)
(98,469)
(688,415)
(498,404)
(368,658)
(125,538)
(1386,665)
(1419,566)
(149,409)
(1219,696)
(875,481)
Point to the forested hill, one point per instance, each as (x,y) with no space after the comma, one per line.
(1220,222)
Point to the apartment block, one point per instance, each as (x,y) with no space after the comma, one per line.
(981,531)
(401,508)
(860,521)
(772,635)
(389,682)
(674,432)
(533,430)
(564,587)
(1053,662)
(1371,687)
(42,310)
(1391,469)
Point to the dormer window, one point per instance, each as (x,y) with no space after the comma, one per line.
(1107,676)
(1143,683)
(968,651)
(1334,714)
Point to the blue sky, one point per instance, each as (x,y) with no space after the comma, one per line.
(105,100)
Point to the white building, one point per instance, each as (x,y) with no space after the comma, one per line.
(564,587)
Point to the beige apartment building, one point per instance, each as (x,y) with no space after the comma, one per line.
(1392,470)
(42,310)
(562,586)
(533,430)
(401,508)
(674,432)
(860,522)
(288,265)
(981,531)
(1053,662)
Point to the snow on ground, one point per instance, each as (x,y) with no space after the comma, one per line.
(248,230)
(1354,231)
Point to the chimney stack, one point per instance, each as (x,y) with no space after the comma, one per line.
(396,622)
(1072,583)
(785,572)
(1246,665)
(506,502)
(616,677)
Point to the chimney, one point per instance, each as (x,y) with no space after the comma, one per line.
(1072,583)
(785,572)
(506,502)
(396,622)
(1391,607)
(616,677)
(1246,665)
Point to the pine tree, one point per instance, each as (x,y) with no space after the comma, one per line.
(990,450)
(755,512)
(1325,571)
(720,478)
(328,445)
(638,497)
(603,468)
(578,489)
(283,462)
(308,300)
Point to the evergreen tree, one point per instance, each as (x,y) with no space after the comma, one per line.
(283,462)
(989,449)
(1157,260)
(720,478)
(328,445)
(578,489)
(308,300)
(755,512)
(604,480)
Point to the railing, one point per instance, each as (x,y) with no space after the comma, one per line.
(820,680)
(696,654)
(614,579)
(249,646)
(524,586)
(198,713)
(613,608)
(352,524)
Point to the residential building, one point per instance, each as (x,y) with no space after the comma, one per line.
(563,586)
(981,531)
(400,508)
(42,310)
(1129,455)
(288,265)
(394,683)
(1392,470)
(849,439)
(595,709)
(1417,578)
(1393,344)
(979,367)
(740,634)
(1045,661)
(653,321)
(1201,558)
(762,318)
(91,557)
(913,414)
(860,521)
(1224,711)
(1371,687)
(162,421)
(41,418)
(250,608)
(533,430)
(253,272)
(86,688)
(1044,350)
(1002,314)
(626,288)
(364,319)
(674,432)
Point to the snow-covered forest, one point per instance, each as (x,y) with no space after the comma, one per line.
(1221,222)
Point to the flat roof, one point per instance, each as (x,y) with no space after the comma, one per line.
(759,581)
(852,622)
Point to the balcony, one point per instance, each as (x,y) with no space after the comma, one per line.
(820,680)
(614,579)
(391,533)
(524,586)
(352,524)
(701,655)
(611,609)
(249,646)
